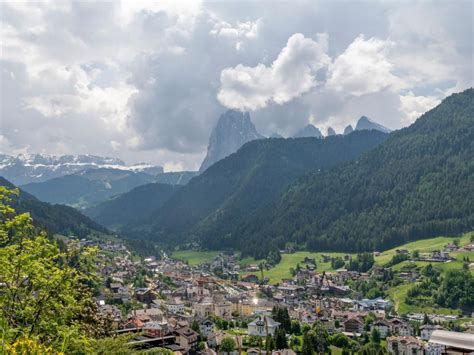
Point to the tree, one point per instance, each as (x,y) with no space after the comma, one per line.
(280,339)
(305,328)
(295,327)
(320,338)
(375,336)
(46,293)
(340,340)
(195,326)
(269,343)
(372,349)
(308,346)
(227,345)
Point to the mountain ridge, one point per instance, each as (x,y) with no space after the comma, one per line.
(417,184)
(28,168)
(56,219)
(237,185)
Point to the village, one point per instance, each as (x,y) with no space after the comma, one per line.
(218,307)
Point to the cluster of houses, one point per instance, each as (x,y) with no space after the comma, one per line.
(183,308)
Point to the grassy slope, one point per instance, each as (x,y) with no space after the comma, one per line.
(282,270)
(194,257)
(424,245)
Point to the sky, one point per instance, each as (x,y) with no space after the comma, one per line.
(147,81)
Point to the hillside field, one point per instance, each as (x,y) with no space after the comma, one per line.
(288,261)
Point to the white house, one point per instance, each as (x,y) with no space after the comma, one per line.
(175,307)
(206,327)
(434,349)
(382,326)
(404,345)
(262,326)
(427,329)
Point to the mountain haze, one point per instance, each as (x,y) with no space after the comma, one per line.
(308,131)
(27,168)
(88,187)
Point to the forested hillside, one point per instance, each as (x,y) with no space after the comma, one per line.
(216,202)
(132,205)
(419,183)
(54,218)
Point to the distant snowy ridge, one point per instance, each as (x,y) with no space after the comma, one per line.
(26,168)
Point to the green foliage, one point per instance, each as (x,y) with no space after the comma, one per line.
(308,346)
(281,315)
(321,340)
(295,327)
(457,291)
(372,349)
(227,345)
(340,340)
(362,263)
(280,339)
(397,259)
(375,336)
(46,295)
(337,262)
(269,343)
(454,290)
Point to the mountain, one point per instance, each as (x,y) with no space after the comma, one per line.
(56,219)
(132,205)
(176,178)
(365,123)
(348,130)
(276,135)
(217,201)
(308,131)
(418,184)
(331,132)
(87,187)
(232,131)
(26,168)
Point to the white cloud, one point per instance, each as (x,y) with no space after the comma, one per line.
(291,74)
(363,68)
(413,106)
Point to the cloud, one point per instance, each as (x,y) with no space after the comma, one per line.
(363,68)
(291,74)
(146,81)
(413,106)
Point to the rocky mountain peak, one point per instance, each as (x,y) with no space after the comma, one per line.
(365,123)
(348,130)
(308,131)
(233,130)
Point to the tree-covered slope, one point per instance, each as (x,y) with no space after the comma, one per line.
(132,205)
(419,183)
(88,187)
(54,218)
(216,202)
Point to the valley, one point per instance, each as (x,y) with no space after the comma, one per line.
(365,238)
